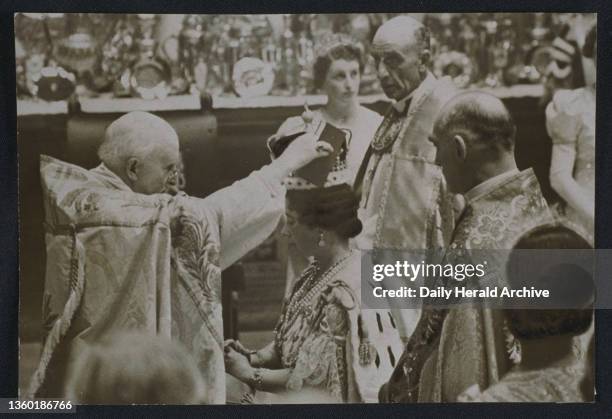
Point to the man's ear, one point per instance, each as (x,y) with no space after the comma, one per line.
(131,169)
(460,147)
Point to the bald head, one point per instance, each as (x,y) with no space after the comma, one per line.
(401,32)
(481,117)
(135,134)
(474,138)
(400,50)
(135,144)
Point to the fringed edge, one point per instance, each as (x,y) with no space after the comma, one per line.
(62,324)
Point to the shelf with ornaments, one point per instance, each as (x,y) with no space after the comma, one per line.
(269,101)
(122,63)
(110,104)
(27,107)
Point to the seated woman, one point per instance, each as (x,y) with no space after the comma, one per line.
(324,340)
(570,122)
(551,367)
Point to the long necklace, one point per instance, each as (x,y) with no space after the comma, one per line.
(296,320)
(311,287)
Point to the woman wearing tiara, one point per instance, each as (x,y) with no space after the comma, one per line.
(326,345)
(337,70)
(570,121)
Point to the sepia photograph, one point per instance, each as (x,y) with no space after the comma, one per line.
(198,194)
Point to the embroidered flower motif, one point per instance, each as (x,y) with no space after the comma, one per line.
(85,203)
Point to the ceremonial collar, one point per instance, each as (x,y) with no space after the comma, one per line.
(488,185)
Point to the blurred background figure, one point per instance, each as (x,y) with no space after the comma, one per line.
(570,122)
(554,362)
(135,368)
(565,70)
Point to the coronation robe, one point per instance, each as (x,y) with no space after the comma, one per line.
(452,349)
(120,260)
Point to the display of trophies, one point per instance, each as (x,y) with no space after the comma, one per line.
(37,71)
(78,50)
(150,76)
(185,55)
(252,55)
(117,54)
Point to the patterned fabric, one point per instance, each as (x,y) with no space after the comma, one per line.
(570,121)
(551,385)
(361,133)
(453,349)
(403,195)
(151,262)
(388,131)
(404,201)
(322,340)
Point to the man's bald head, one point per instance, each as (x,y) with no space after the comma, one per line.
(135,146)
(474,137)
(134,134)
(403,32)
(401,52)
(481,117)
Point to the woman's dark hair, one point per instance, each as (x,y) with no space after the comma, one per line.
(588,50)
(576,78)
(333,209)
(552,236)
(341,52)
(562,279)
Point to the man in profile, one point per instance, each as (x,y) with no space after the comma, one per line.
(124,255)
(452,349)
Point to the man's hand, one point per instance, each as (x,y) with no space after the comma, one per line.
(302,151)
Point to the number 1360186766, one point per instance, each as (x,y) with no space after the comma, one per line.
(36,406)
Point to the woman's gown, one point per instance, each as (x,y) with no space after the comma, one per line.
(570,121)
(330,342)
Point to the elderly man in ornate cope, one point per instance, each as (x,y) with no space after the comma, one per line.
(404,206)
(124,255)
(453,349)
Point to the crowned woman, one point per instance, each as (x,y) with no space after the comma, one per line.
(326,344)
(336,70)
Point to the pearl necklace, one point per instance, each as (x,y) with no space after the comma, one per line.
(302,299)
(299,309)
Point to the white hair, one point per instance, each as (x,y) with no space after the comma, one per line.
(135,134)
